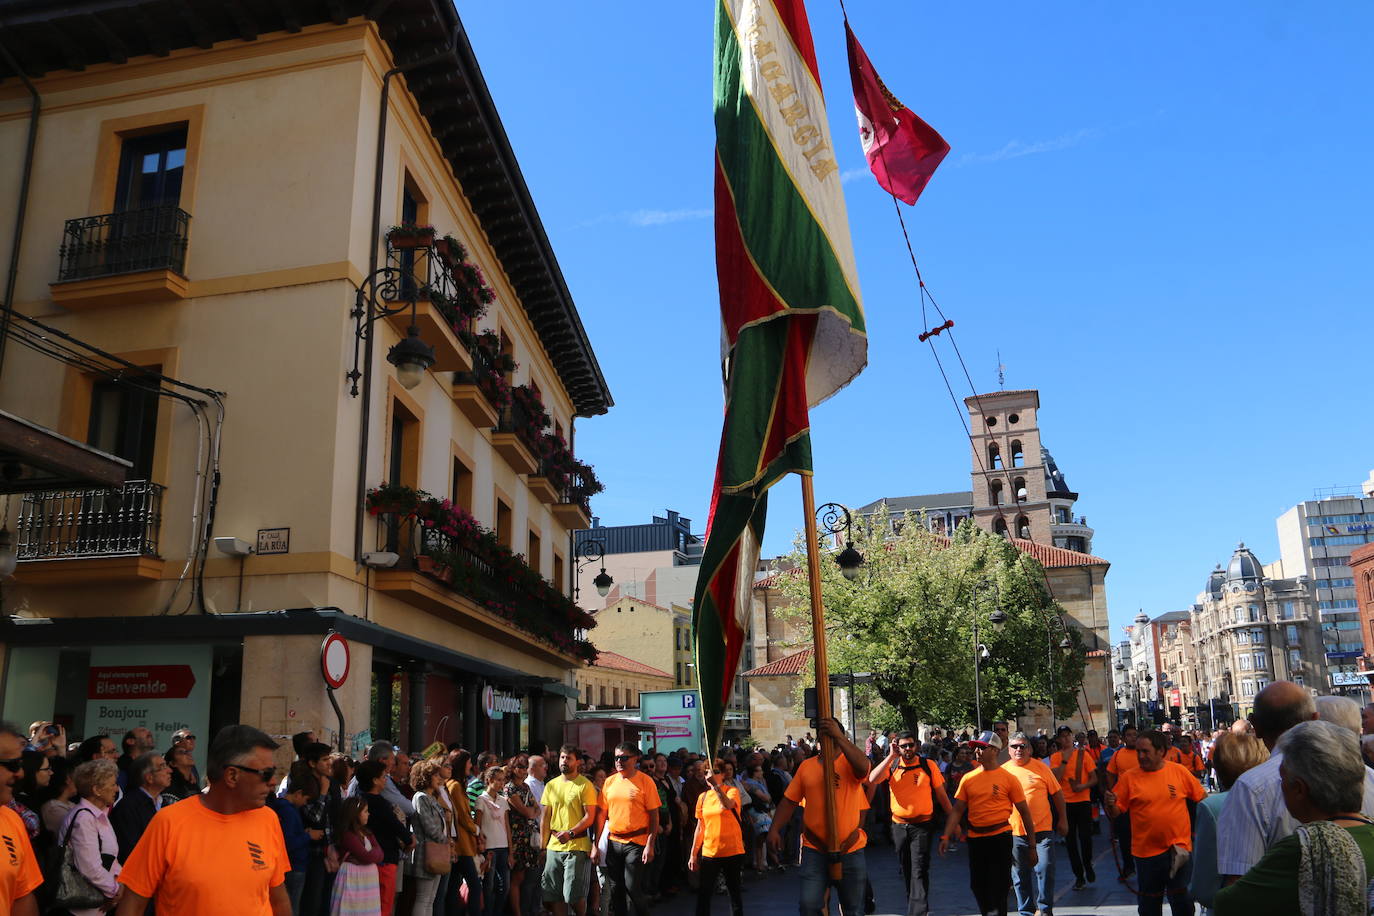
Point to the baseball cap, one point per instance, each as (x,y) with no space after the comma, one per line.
(987,739)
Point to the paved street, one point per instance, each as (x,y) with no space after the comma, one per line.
(776,894)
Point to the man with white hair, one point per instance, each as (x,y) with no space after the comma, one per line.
(1256,817)
(1342,711)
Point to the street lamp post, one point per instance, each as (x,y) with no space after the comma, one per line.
(998,620)
(592,551)
(828,523)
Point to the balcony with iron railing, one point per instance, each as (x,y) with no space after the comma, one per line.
(482,390)
(517,439)
(132,256)
(491,588)
(574,507)
(90,535)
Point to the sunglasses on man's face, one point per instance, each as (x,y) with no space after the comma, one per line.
(14,764)
(1018,747)
(264,774)
(906,747)
(621,758)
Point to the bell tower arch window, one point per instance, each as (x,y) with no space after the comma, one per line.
(1018,459)
(994,457)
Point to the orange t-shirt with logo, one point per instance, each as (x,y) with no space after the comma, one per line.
(628,801)
(721,834)
(198,862)
(1157,803)
(991,797)
(808,789)
(1038,783)
(911,789)
(1071,763)
(19,871)
(1123,760)
(1189,761)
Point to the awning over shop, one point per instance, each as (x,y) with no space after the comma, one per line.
(61,631)
(33,457)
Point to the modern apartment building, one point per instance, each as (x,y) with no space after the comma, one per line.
(1316,538)
(206,243)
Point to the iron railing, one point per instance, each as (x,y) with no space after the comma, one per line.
(576,491)
(516,419)
(72,524)
(153,238)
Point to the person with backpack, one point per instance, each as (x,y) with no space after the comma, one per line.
(916,788)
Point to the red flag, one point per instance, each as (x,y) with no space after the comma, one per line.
(902,150)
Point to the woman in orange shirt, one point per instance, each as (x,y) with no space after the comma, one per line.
(718,845)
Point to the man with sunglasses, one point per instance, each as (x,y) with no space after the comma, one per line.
(1033,877)
(632,803)
(220,852)
(917,787)
(20,874)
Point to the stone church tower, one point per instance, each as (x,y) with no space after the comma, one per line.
(1017,488)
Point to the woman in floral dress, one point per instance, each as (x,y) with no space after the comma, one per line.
(524,825)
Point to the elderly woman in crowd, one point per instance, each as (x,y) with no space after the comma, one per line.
(1323,868)
(1232,755)
(88,831)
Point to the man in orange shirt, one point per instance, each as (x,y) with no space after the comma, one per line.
(808,785)
(1156,795)
(718,844)
(1034,884)
(631,800)
(916,787)
(1073,765)
(1183,754)
(20,875)
(220,852)
(989,795)
(1124,759)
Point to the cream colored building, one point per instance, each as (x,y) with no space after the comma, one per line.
(208,195)
(1249,630)
(656,636)
(615,682)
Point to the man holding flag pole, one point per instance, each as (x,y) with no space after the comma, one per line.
(793,335)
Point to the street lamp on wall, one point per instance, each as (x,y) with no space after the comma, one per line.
(397,283)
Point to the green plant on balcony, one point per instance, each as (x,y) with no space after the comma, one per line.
(455,547)
(485,348)
(529,418)
(584,483)
(556,460)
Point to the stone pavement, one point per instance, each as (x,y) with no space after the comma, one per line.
(775,894)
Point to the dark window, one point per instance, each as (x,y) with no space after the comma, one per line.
(410,215)
(150,170)
(123,422)
(398,437)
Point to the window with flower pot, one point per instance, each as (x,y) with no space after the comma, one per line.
(403,441)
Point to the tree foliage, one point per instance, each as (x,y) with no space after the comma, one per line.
(909,620)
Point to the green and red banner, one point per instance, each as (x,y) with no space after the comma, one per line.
(793,324)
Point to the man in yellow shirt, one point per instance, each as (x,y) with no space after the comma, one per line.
(569,804)
(989,795)
(631,800)
(808,785)
(917,788)
(1034,882)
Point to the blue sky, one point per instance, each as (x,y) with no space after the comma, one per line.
(1160,214)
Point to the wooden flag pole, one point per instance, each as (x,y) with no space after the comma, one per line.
(818,655)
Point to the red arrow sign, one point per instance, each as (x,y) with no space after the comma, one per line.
(140,682)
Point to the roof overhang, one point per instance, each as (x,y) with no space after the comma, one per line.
(50,35)
(33,457)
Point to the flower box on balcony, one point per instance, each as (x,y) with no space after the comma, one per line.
(403,237)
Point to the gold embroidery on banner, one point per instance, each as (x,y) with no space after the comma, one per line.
(794,112)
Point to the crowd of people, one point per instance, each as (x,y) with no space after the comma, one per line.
(97,827)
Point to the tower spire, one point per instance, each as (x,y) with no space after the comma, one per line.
(1001,371)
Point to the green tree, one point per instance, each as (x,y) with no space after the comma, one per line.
(909,620)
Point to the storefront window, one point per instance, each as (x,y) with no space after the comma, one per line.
(109,690)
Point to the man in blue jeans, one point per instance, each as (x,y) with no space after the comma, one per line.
(808,784)
(1033,879)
